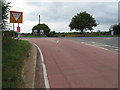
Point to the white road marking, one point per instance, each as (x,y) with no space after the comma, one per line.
(57,41)
(47,86)
(25,39)
(101,45)
(107,38)
(53,40)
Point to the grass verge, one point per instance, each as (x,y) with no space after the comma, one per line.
(32,36)
(13,54)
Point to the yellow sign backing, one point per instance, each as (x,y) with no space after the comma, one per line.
(16,17)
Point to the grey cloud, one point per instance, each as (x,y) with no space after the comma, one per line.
(104,13)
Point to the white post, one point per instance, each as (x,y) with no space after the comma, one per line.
(112,32)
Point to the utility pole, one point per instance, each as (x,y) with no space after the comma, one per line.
(39,19)
(118,12)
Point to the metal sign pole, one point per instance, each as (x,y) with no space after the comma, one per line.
(13,30)
(18,24)
(18,32)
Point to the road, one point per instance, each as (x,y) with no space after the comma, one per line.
(104,42)
(72,64)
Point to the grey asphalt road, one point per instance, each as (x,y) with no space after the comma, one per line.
(111,43)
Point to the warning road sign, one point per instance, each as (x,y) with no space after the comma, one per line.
(16,17)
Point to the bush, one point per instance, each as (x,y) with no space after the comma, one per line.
(9,34)
(116,28)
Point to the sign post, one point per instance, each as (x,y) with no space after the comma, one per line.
(18,30)
(13,30)
(16,17)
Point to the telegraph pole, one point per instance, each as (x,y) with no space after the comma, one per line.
(39,19)
(118,12)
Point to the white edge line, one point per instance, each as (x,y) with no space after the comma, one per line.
(47,86)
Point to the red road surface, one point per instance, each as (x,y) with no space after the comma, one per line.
(71,64)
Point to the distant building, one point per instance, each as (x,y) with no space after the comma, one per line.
(38,32)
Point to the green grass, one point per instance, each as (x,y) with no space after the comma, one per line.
(77,34)
(87,35)
(32,36)
(13,54)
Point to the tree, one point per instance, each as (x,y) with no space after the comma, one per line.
(42,27)
(52,33)
(82,21)
(5,10)
(116,28)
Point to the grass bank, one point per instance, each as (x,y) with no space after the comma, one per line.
(13,54)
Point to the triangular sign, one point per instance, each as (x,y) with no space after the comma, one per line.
(16,15)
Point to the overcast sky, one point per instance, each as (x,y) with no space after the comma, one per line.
(57,14)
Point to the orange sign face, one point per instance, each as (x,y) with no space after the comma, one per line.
(16,17)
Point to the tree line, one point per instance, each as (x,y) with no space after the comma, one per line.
(81,22)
